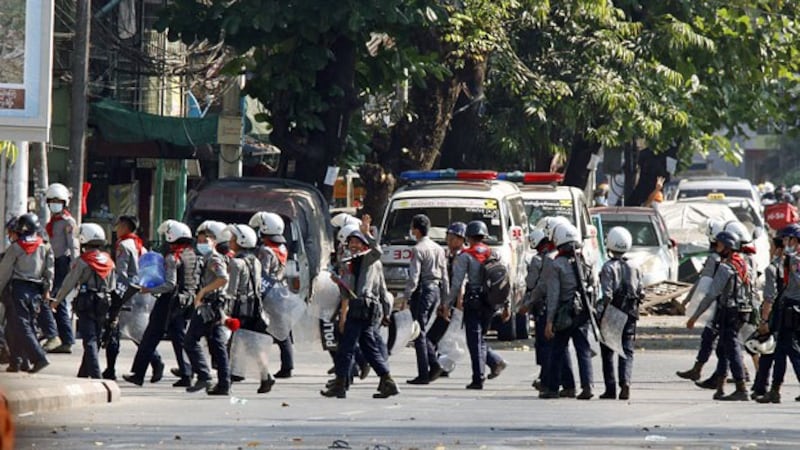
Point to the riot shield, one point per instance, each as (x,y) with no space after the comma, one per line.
(325,297)
(611,327)
(701,289)
(453,344)
(134,316)
(250,353)
(284,309)
(403,324)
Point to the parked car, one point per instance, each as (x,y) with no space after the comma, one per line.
(447,196)
(716,188)
(304,210)
(653,251)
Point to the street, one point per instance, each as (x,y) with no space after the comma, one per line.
(664,411)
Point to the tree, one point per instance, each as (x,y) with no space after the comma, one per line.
(308,62)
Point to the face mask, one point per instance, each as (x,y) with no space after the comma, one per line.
(411,235)
(55,208)
(204,249)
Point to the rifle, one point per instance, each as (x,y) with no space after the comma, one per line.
(117,306)
(587,304)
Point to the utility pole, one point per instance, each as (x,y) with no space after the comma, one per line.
(230,156)
(79,108)
(38,153)
(17,196)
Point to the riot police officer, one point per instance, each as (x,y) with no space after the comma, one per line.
(206,319)
(182,269)
(273,255)
(61,230)
(28,267)
(621,287)
(364,304)
(728,290)
(477,313)
(94,274)
(427,272)
(774,285)
(567,312)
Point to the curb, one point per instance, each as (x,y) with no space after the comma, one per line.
(27,395)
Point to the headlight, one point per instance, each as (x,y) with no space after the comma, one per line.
(396,273)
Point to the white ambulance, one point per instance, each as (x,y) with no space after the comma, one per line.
(448,196)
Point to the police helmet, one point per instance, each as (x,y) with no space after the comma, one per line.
(477,228)
(91,234)
(27,224)
(536,237)
(741,231)
(713,228)
(619,240)
(757,344)
(457,229)
(174,231)
(244,235)
(566,233)
(792,230)
(57,191)
(728,239)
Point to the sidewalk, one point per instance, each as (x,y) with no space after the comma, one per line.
(55,387)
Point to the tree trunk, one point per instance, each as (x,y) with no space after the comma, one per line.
(464,144)
(576,173)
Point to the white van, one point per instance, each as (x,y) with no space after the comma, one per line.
(449,196)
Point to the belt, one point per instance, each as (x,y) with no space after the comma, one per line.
(27,283)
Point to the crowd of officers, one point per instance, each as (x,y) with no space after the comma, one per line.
(223,273)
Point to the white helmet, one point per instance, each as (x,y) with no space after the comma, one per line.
(267,223)
(244,235)
(345,231)
(795,189)
(738,229)
(756,346)
(214,228)
(343,219)
(566,233)
(713,228)
(769,188)
(174,230)
(91,233)
(536,237)
(57,191)
(549,223)
(619,240)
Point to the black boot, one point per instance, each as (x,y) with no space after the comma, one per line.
(338,389)
(710,382)
(586,393)
(266,385)
(624,392)
(773,396)
(691,374)
(739,395)
(388,387)
(720,385)
(609,394)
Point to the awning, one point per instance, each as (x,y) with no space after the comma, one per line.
(117,123)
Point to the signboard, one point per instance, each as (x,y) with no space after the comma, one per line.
(229,130)
(26,76)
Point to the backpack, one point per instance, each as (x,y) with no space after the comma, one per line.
(624,297)
(496,281)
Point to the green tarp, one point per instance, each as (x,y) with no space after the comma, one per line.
(118,123)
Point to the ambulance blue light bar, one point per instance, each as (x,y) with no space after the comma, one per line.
(531,177)
(448,174)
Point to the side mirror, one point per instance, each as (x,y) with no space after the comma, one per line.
(672,243)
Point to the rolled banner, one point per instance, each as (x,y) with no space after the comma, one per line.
(250,353)
(453,344)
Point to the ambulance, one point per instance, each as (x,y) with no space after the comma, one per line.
(448,196)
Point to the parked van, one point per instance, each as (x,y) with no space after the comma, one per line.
(308,232)
(447,196)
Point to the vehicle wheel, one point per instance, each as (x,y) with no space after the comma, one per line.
(523,327)
(505,331)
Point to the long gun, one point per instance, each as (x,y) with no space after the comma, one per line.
(587,304)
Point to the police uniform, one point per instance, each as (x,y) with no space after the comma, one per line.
(127,269)
(206,322)
(273,264)
(773,286)
(711,330)
(427,273)
(786,322)
(562,288)
(364,313)
(27,267)
(539,270)
(618,276)
(182,269)
(728,291)
(477,314)
(93,273)
(62,231)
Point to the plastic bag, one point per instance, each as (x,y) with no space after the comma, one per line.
(325,297)
(133,322)
(453,345)
(284,309)
(151,270)
(250,353)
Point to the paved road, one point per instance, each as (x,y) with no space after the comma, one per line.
(664,412)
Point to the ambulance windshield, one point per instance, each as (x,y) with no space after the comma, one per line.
(442,212)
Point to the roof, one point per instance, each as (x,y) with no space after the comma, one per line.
(456,188)
(623,210)
(540,191)
(720,182)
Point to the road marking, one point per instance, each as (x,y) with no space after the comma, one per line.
(352,413)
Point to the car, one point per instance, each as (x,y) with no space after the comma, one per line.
(308,232)
(447,196)
(653,251)
(716,188)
